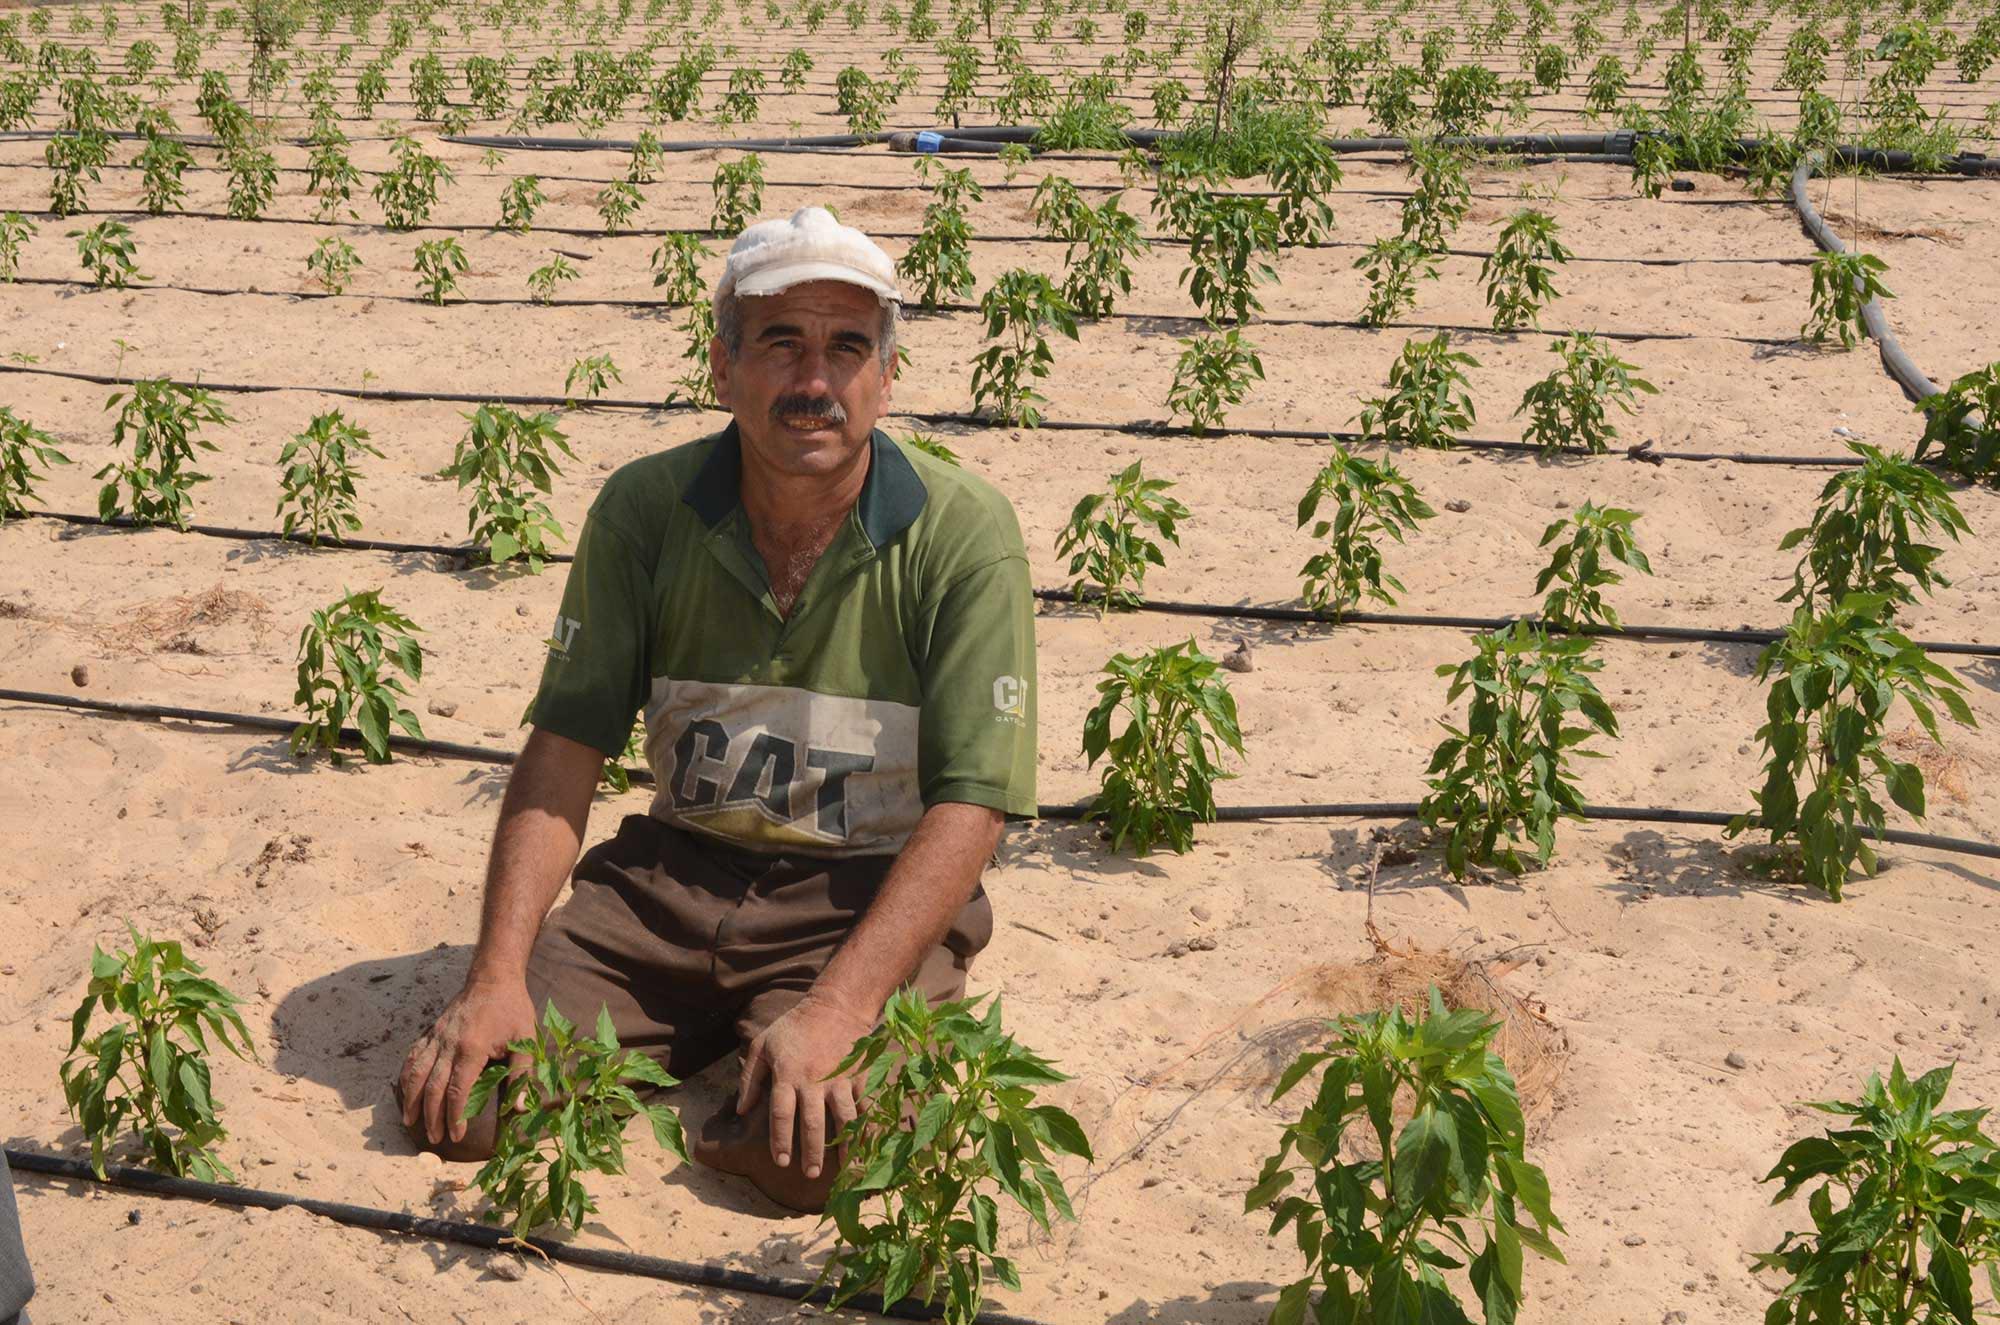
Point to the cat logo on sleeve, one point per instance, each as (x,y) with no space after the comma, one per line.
(564,636)
(1010,699)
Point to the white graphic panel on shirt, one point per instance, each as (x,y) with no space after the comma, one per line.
(778,767)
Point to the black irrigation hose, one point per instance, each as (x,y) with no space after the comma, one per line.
(873,186)
(1617,143)
(191,139)
(1900,366)
(962,418)
(1600,813)
(463,552)
(1637,633)
(1157,240)
(1193,320)
(1059,813)
(530,143)
(336,542)
(694,1274)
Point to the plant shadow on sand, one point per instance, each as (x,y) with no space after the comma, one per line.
(1061,844)
(1237,1302)
(403,564)
(1407,863)
(1653,864)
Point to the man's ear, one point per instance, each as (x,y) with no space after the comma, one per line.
(718,370)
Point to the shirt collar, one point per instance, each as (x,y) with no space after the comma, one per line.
(892,496)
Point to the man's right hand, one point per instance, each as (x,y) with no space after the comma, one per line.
(473,1029)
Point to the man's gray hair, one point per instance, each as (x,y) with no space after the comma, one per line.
(729,328)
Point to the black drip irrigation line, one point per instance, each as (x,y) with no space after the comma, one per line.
(336,542)
(1125,315)
(463,553)
(960,418)
(1614,145)
(190,139)
(1635,633)
(1598,813)
(996,186)
(1157,240)
(1071,813)
(693,1274)
(873,186)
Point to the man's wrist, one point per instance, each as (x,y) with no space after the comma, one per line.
(860,1005)
(497,970)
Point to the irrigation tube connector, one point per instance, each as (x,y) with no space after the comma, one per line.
(963,418)
(464,553)
(694,1274)
(1060,813)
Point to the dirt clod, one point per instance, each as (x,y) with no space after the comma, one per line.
(293,847)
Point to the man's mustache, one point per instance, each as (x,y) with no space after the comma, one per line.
(798,405)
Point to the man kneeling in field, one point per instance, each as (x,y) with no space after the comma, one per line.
(831,638)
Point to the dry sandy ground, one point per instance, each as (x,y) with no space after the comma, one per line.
(341,902)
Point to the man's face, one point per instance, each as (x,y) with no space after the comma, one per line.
(808,384)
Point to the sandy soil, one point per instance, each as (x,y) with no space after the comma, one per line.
(341,902)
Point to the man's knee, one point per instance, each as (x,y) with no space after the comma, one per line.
(731,1143)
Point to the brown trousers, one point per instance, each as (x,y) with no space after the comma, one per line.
(696,946)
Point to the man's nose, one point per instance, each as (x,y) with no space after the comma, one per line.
(810,375)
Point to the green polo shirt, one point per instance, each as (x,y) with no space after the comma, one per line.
(903,677)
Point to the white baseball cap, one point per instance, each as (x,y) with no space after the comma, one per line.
(772,256)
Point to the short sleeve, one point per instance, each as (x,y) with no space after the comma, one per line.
(976,736)
(594,681)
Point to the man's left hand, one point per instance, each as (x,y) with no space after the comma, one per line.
(790,1061)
